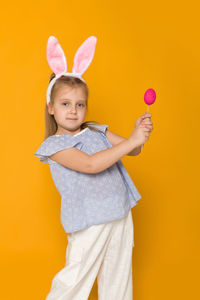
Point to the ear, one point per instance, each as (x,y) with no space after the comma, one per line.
(84,55)
(55,56)
(50,108)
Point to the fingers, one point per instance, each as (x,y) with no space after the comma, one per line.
(147,121)
(149,126)
(146,115)
(146,124)
(144,119)
(147,130)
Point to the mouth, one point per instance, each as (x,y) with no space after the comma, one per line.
(71,119)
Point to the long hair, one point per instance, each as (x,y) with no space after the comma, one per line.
(50,122)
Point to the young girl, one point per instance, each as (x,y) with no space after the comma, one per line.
(97,193)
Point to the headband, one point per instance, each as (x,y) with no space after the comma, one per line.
(58,63)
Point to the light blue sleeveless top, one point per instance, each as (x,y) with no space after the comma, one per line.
(89,199)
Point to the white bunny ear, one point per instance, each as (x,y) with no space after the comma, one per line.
(55,56)
(84,55)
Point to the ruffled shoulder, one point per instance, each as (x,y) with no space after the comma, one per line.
(54,144)
(100,127)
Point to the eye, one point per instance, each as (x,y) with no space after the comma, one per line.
(81,104)
(64,103)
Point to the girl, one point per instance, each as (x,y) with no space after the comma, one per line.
(97,193)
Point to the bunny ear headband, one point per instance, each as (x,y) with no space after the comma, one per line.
(58,63)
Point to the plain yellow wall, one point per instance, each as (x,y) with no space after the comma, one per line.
(141,45)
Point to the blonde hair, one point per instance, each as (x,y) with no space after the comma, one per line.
(50,122)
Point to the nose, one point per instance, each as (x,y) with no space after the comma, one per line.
(73,109)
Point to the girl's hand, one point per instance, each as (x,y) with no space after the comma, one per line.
(145,121)
(139,135)
(143,128)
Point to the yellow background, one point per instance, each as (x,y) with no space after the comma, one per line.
(141,45)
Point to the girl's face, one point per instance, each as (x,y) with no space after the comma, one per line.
(69,109)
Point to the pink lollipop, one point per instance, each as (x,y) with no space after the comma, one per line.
(149,97)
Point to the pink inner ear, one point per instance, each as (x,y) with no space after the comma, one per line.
(55,56)
(84,55)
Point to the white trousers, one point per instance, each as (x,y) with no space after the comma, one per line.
(103,251)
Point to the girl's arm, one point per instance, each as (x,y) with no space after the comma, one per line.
(114,139)
(78,160)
